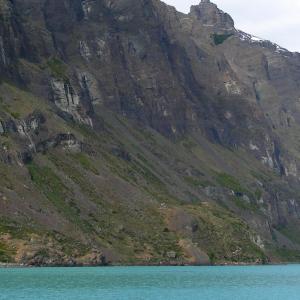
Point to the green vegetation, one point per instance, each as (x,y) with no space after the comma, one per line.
(19,103)
(43,253)
(50,184)
(196,182)
(85,162)
(148,175)
(5,254)
(15,115)
(58,68)
(15,230)
(239,202)
(55,190)
(5,178)
(291,231)
(7,108)
(129,227)
(288,255)
(69,168)
(220,38)
(258,194)
(188,143)
(72,246)
(224,236)
(229,182)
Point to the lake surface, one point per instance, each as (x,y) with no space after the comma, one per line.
(139,283)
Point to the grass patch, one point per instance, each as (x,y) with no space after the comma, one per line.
(85,162)
(239,202)
(227,181)
(7,108)
(258,194)
(288,255)
(19,103)
(55,191)
(6,255)
(67,166)
(57,68)
(49,183)
(291,232)
(196,182)
(15,230)
(223,236)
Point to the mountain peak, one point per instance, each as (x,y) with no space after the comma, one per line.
(210,15)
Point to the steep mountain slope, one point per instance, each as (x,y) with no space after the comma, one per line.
(135,134)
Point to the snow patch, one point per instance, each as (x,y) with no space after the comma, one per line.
(255,39)
(250,38)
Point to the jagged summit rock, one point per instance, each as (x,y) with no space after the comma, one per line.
(210,15)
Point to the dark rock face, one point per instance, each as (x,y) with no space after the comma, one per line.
(183,77)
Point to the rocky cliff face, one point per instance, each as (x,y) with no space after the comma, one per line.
(132,133)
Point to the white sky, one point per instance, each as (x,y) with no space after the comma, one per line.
(275,20)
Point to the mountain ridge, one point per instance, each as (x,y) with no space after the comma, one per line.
(135,134)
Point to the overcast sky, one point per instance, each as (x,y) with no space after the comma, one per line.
(275,20)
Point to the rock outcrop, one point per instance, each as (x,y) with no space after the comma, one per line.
(132,132)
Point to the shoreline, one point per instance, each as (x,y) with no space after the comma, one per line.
(24,266)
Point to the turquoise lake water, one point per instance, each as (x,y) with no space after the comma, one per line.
(155,283)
